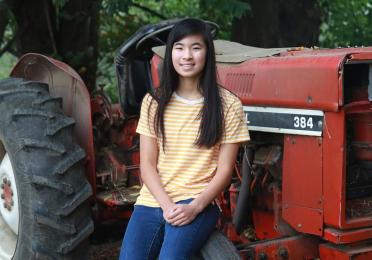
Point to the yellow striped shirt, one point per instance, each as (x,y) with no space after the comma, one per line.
(184,168)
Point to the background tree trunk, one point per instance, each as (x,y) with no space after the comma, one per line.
(68,33)
(279,23)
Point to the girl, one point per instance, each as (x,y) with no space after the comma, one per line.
(189,138)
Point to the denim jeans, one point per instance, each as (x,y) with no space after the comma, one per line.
(148,235)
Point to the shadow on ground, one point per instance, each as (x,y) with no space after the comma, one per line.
(106,241)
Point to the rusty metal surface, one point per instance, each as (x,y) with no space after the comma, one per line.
(66,83)
(334,175)
(362,55)
(120,196)
(264,223)
(295,79)
(334,168)
(302,183)
(291,248)
(361,52)
(339,236)
(358,208)
(362,251)
(292,82)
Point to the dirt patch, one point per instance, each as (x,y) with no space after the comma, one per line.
(106,251)
(106,241)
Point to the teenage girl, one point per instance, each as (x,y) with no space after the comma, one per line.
(190,132)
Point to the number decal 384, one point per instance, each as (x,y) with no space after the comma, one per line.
(303,122)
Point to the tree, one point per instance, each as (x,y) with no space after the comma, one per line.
(347,23)
(84,33)
(66,30)
(279,23)
(120,19)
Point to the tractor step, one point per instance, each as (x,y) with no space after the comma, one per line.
(119,196)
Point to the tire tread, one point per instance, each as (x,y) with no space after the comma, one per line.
(34,143)
(76,201)
(53,192)
(76,156)
(69,245)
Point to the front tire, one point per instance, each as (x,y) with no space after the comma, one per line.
(44,210)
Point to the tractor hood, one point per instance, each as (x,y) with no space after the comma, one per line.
(286,77)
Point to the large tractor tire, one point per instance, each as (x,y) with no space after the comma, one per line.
(219,247)
(44,208)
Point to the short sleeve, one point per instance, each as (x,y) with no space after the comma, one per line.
(146,122)
(236,128)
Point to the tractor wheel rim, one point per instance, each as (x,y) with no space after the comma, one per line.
(9,210)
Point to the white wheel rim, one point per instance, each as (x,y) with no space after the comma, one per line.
(9,219)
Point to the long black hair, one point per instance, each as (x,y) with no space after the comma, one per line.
(211,114)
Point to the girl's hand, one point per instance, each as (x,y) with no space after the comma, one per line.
(168,210)
(181,214)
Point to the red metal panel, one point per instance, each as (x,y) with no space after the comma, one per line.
(290,81)
(304,219)
(291,248)
(334,168)
(338,236)
(66,83)
(302,183)
(338,51)
(156,63)
(361,56)
(264,224)
(334,174)
(355,252)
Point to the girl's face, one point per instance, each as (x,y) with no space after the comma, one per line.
(188,56)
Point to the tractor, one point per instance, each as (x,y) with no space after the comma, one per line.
(301,188)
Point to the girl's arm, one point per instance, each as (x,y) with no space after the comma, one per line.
(185,213)
(149,173)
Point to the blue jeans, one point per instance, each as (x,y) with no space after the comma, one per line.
(148,235)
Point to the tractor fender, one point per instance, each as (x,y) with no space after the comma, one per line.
(66,83)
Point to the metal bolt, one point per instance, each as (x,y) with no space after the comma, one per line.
(262,256)
(282,252)
(250,254)
(2,196)
(299,225)
(2,186)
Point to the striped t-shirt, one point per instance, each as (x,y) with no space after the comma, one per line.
(184,168)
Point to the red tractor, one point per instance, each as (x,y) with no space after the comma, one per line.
(302,188)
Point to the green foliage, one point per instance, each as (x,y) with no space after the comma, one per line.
(347,23)
(7,61)
(10,28)
(59,3)
(112,7)
(224,14)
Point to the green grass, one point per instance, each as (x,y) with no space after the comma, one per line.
(7,61)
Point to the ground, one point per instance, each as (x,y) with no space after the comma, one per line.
(106,241)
